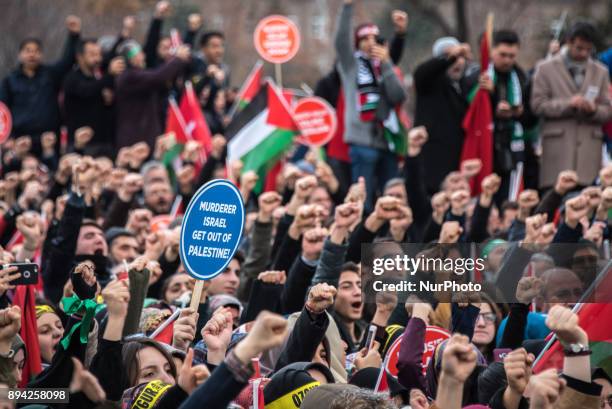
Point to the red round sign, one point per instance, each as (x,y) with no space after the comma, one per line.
(277,39)
(316,120)
(6,122)
(433,336)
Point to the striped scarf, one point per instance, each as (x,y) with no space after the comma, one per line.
(514,96)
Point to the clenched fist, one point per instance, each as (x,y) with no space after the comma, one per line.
(320,297)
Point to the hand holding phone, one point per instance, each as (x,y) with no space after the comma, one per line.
(28,273)
(370,337)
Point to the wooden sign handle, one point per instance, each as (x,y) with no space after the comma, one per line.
(197,294)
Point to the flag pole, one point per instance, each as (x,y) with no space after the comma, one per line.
(178,200)
(164,324)
(306,88)
(489,30)
(381,374)
(278,74)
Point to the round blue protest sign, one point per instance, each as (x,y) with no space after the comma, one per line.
(211,229)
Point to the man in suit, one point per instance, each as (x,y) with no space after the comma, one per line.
(570,93)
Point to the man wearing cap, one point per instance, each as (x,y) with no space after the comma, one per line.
(440,93)
(372,91)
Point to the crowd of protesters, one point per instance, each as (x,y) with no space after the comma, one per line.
(85,196)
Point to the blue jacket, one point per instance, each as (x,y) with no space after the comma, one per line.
(535,329)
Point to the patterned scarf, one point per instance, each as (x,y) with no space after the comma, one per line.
(367,87)
(514,97)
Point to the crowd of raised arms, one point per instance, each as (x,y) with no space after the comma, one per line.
(86,195)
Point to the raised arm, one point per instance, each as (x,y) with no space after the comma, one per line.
(139,80)
(344,37)
(63,248)
(66,61)
(107,364)
(264,295)
(400,25)
(162,10)
(310,327)
(261,247)
(335,247)
(229,378)
(391,83)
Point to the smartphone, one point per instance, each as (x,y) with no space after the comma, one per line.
(380,40)
(592,93)
(370,337)
(29,273)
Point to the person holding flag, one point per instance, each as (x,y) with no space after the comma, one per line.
(505,82)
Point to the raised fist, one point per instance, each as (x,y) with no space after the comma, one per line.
(527,289)
(73,24)
(417,137)
(400,21)
(320,297)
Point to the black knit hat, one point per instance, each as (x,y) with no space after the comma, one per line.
(367,377)
(114,232)
(288,386)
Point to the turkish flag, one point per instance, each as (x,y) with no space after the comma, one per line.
(194,118)
(24,298)
(176,123)
(478,126)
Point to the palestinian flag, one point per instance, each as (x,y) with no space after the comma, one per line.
(395,127)
(262,133)
(594,314)
(394,131)
(249,89)
(165,331)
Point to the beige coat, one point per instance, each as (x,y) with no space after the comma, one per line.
(570,140)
